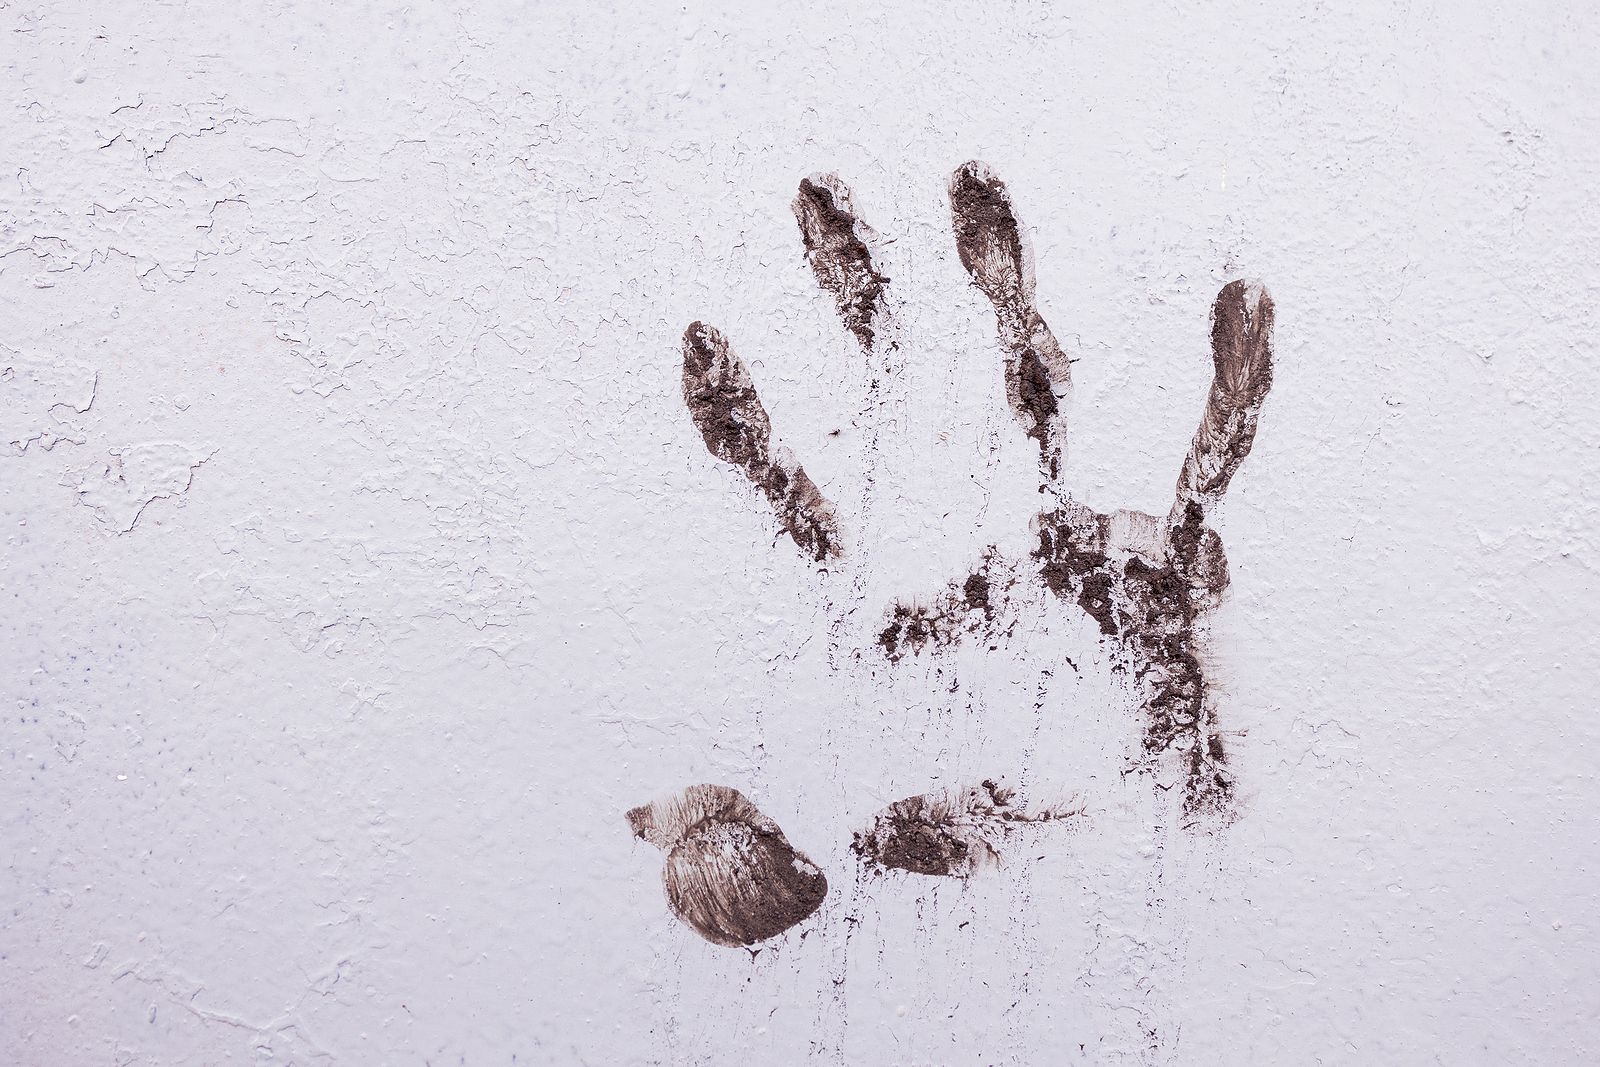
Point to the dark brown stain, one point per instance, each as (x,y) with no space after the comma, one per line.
(1148,584)
(1154,606)
(1151,609)
(974,605)
(1073,562)
(836,248)
(1241,355)
(1151,600)
(723,402)
(976,591)
(992,250)
(952,836)
(730,873)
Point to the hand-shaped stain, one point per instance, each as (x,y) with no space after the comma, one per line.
(1149,582)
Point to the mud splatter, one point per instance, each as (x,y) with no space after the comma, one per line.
(975,605)
(948,835)
(837,248)
(992,249)
(1241,354)
(730,873)
(723,402)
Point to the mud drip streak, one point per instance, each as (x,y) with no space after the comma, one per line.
(723,402)
(992,249)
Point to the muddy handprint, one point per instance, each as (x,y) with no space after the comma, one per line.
(1149,582)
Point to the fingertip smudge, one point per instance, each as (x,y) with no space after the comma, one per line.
(727,410)
(840,257)
(990,244)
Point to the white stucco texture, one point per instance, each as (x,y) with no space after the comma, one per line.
(363,567)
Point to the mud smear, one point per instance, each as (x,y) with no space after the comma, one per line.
(948,835)
(730,873)
(836,247)
(1241,353)
(722,401)
(1151,585)
(1152,608)
(977,604)
(1074,564)
(990,243)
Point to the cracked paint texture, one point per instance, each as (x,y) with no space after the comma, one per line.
(361,563)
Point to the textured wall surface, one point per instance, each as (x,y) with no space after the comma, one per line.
(362,566)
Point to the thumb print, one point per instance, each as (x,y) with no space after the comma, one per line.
(730,873)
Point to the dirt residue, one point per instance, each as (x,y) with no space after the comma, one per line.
(992,250)
(1149,584)
(723,402)
(1034,393)
(1153,598)
(836,248)
(987,237)
(1074,565)
(730,873)
(975,605)
(1152,610)
(976,591)
(948,835)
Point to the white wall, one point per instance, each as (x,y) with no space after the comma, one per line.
(361,565)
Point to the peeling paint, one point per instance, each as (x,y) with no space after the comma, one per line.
(44,395)
(133,478)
